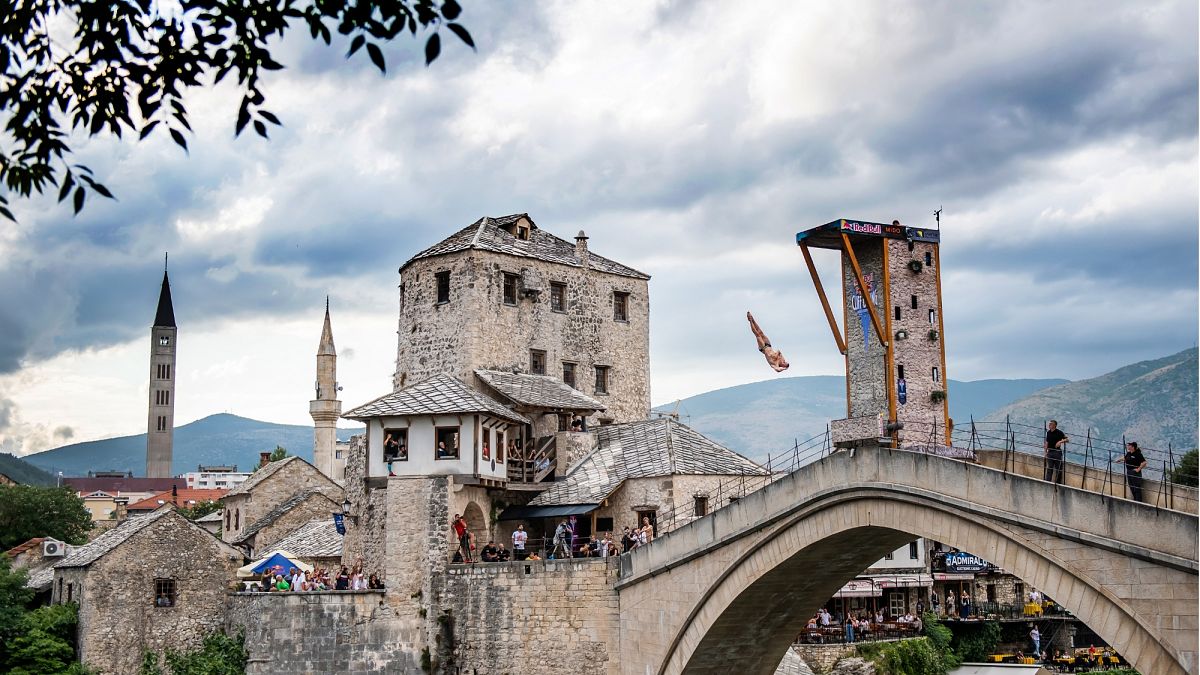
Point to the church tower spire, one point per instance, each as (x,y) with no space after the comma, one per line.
(325,409)
(160,423)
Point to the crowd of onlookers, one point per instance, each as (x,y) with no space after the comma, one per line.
(564,543)
(352,578)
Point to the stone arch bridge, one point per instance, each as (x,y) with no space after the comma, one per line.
(729,592)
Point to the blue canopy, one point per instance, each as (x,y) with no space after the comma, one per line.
(281,558)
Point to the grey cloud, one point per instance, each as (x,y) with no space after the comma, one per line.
(7,409)
(64,433)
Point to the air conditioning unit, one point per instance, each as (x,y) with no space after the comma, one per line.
(53,549)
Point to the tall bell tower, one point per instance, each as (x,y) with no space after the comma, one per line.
(325,408)
(160,423)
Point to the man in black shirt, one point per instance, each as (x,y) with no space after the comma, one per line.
(1055,440)
(1134,462)
(490,553)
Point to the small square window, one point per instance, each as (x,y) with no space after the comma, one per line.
(914,302)
(928,258)
(558,297)
(395,445)
(889,556)
(602,379)
(164,340)
(510,289)
(569,374)
(933,316)
(937,374)
(164,592)
(447,443)
(620,306)
(443,287)
(897,312)
(912,550)
(700,505)
(537,362)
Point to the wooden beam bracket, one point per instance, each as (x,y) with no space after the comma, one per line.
(812,270)
(866,292)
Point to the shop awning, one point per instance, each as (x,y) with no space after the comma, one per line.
(554,511)
(858,588)
(904,581)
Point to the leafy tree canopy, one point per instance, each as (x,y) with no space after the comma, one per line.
(1187,471)
(200,510)
(278,453)
(220,654)
(27,512)
(126,66)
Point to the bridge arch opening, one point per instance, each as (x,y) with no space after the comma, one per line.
(750,614)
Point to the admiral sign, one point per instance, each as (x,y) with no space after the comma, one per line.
(965,562)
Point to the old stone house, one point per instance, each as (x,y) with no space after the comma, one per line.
(315,543)
(152,582)
(503,294)
(268,488)
(279,522)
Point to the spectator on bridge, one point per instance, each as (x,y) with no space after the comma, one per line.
(627,540)
(1036,637)
(951,603)
(519,537)
(1055,445)
(342,582)
(490,552)
(502,554)
(374,583)
(562,541)
(607,545)
(1134,462)
(966,604)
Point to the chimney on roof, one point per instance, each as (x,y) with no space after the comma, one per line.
(174,492)
(121,512)
(581,248)
(264,458)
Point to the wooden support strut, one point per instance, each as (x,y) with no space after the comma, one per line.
(866,292)
(812,270)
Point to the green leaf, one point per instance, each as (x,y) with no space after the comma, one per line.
(261,129)
(179,139)
(147,129)
(376,57)
(79,197)
(433,47)
(68,183)
(451,9)
(270,117)
(461,33)
(356,44)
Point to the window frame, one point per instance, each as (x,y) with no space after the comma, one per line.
(558,290)
(165,586)
(403,435)
(570,367)
(508,283)
(913,553)
(621,301)
(603,379)
(437,438)
(700,505)
(442,283)
(534,356)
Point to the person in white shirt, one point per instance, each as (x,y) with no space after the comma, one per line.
(298,580)
(824,617)
(519,537)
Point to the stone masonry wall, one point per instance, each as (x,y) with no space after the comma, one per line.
(118,619)
(919,354)
(476,329)
(534,617)
(278,488)
(319,632)
(316,506)
(864,354)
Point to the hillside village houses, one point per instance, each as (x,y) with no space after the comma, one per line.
(521,397)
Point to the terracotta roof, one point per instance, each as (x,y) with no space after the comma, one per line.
(266,472)
(89,553)
(181,498)
(316,539)
(279,511)
(541,391)
(21,548)
(660,447)
(85,485)
(487,234)
(439,395)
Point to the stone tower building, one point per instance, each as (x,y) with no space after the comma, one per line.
(504,295)
(326,408)
(892,340)
(160,422)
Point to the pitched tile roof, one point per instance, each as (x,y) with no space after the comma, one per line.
(41,578)
(113,486)
(439,395)
(643,449)
(89,553)
(21,548)
(279,511)
(541,391)
(182,497)
(316,539)
(266,472)
(214,517)
(488,234)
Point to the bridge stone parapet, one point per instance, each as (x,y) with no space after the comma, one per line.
(730,591)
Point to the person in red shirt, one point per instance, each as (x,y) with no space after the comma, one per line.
(464,537)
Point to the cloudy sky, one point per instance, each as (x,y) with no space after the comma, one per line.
(691,140)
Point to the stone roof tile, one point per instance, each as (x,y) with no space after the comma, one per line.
(488,234)
(278,512)
(643,449)
(89,553)
(315,539)
(541,391)
(439,395)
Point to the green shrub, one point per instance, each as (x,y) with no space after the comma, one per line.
(940,637)
(917,656)
(1187,471)
(976,642)
(220,654)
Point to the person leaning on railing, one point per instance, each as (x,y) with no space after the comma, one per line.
(1134,462)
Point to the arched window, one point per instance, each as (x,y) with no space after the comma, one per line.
(237,520)
(227,514)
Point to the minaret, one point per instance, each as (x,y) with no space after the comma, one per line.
(325,408)
(160,423)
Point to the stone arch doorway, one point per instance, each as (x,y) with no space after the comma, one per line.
(757,602)
(477,524)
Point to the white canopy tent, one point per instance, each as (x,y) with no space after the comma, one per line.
(247,571)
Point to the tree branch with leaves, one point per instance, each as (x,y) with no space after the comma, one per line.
(125,66)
